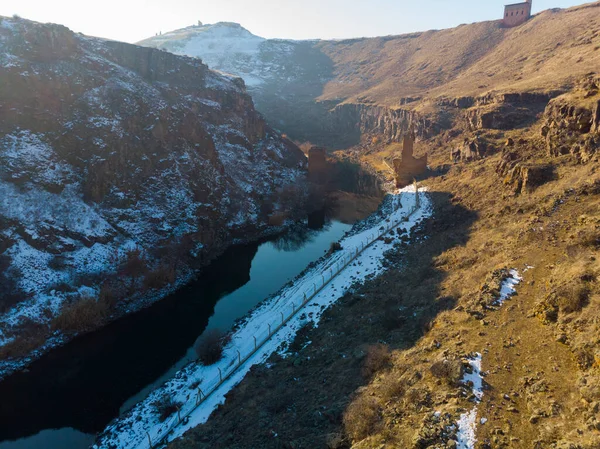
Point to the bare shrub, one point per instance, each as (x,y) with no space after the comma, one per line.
(335,441)
(589,238)
(134,265)
(83,315)
(450,371)
(573,297)
(9,291)
(277,219)
(335,246)
(165,407)
(58,262)
(392,387)
(280,402)
(20,347)
(362,418)
(378,358)
(418,398)
(108,296)
(209,347)
(31,335)
(159,278)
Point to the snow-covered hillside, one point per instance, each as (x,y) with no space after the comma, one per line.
(122,170)
(230,48)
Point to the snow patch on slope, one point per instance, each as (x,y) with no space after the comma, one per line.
(467,423)
(508,286)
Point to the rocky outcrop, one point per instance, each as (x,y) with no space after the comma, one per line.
(504,111)
(523,177)
(513,98)
(110,151)
(472,149)
(503,117)
(571,122)
(391,124)
(596,118)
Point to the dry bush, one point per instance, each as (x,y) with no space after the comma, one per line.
(20,347)
(588,238)
(280,402)
(134,265)
(9,291)
(108,296)
(450,371)
(378,358)
(83,315)
(392,386)
(335,246)
(159,278)
(362,418)
(335,441)
(30,335)
(209,347)
(573,297)
(58,262)
(165,407)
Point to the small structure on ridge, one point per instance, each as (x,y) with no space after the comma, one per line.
(517,14)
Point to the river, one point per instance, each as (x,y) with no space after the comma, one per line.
(73,392)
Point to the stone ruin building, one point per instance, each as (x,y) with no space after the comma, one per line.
(517,13)
(408,167)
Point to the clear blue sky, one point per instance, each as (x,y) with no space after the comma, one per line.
(133,20)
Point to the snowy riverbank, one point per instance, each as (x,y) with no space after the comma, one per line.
(190,385)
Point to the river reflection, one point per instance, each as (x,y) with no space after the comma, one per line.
(75,391)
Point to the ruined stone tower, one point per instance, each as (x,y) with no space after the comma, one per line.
(408,167)
(517,13)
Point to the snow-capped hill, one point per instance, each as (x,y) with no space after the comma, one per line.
(122,170)
(283,76)
(212,43)
(228,47)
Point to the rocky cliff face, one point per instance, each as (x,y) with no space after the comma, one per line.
(391,124)
(504,111)
(571,122)
(122,169)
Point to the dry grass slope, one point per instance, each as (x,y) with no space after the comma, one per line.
(549,51)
